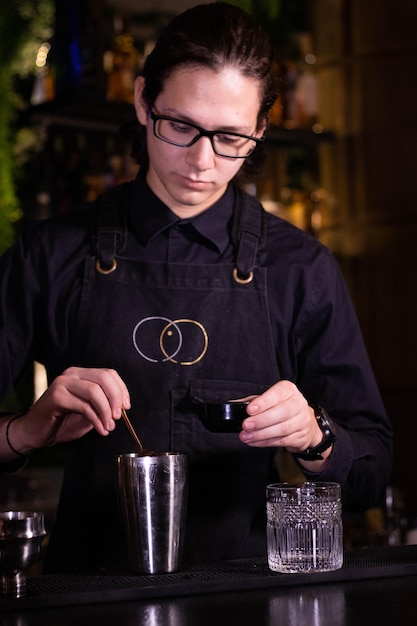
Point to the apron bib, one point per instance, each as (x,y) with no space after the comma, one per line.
(174,333)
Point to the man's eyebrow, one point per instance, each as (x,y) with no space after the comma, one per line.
(184,118)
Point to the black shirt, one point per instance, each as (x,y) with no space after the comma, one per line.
(317,338)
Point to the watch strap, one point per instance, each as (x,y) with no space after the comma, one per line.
(329,437)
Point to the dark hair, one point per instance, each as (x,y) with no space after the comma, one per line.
(212,35)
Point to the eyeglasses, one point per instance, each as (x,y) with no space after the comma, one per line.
(183,134)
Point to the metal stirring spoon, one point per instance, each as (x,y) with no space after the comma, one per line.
(132,431)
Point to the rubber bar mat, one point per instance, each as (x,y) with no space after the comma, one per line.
(222,576)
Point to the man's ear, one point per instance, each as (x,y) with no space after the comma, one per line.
(262,129)
(140,106)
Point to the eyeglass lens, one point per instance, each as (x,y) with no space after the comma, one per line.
(182,134)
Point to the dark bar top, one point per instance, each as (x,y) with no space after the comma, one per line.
(225,578)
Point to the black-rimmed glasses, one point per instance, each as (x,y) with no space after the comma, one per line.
(183,134)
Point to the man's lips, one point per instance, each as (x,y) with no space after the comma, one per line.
(193,183)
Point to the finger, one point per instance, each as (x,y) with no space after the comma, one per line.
(275,416)
(113,387)
(78,395)
(274,396)
(124,393)
(274,433)
(110,382)
(291,432)
(268,437)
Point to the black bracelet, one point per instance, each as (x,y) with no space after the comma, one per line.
(7,435)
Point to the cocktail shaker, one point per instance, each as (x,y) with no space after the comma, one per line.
(152,493)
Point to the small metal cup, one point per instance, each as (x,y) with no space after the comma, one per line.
(21,537)
(152,493)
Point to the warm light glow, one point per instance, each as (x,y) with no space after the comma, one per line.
(42,55)
(40,380)
(317,128)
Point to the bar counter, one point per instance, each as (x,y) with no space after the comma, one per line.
(375,586)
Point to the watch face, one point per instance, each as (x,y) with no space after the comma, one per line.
(325,423)
(331,427)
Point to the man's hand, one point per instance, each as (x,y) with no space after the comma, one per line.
(281,417)
(77,401)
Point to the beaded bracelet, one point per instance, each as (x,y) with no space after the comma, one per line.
(7,435)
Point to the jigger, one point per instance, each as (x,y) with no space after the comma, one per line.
(21,536)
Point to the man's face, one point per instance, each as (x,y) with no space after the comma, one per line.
(189,180)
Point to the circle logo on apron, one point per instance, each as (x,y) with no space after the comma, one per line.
(159,339)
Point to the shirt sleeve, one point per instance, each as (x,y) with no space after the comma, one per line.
(40,282)
(334,371)
(18,294)
(319,347)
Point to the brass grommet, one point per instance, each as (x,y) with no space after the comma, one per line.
(242,281)
(104,271)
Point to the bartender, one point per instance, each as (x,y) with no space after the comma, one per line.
(179,287)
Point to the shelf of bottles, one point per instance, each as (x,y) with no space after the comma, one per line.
(290,186)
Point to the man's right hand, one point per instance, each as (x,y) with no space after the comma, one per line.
(77,401)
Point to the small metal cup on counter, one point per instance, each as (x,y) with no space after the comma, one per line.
(152,493)
(21,537)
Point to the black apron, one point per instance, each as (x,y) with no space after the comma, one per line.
(174,332)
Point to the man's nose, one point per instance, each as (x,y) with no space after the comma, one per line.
(202,153)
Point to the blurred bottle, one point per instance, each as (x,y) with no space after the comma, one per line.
(301,94)
(395,519)
(306,93)
(121,65)
(44,83)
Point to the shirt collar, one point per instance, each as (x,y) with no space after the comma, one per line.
(149,216)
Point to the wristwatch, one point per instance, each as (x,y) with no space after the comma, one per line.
(328,429)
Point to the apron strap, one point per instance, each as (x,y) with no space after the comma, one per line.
(248,235)
(248,231)
(111,227)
